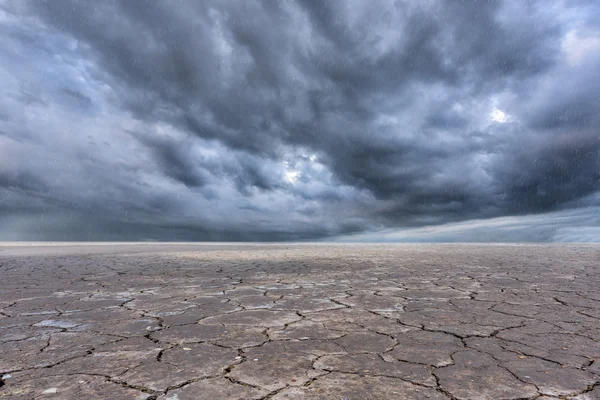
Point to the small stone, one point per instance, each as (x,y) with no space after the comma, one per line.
(7,376)
(187,349)
(238,358)
(50,391)
(256,359)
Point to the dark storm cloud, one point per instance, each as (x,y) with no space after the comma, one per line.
(82,99)
(174,159)
(294,120)
(563,169)
(23,181)
(177,160)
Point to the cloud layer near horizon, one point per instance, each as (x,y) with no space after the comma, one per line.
(292,120)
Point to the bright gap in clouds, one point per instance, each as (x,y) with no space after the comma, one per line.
(498,115)
(289,174)
(292,176)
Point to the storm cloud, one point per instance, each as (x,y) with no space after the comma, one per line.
(297,120)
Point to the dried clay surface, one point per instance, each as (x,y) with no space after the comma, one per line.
(299,321)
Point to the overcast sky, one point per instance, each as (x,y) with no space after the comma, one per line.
(300,120)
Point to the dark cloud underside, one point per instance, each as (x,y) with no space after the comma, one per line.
(293,120)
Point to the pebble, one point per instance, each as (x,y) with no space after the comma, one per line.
(186,349)
(50,391)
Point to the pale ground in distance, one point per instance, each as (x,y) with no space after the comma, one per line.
(283,322)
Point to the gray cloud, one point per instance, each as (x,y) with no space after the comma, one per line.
(292,120)
(576,226)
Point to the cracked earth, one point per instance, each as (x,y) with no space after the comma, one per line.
(284,322)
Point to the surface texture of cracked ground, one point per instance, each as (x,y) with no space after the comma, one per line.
(292,322)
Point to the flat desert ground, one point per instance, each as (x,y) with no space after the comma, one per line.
(299,321)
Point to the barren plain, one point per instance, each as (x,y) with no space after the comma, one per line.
(299,321)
